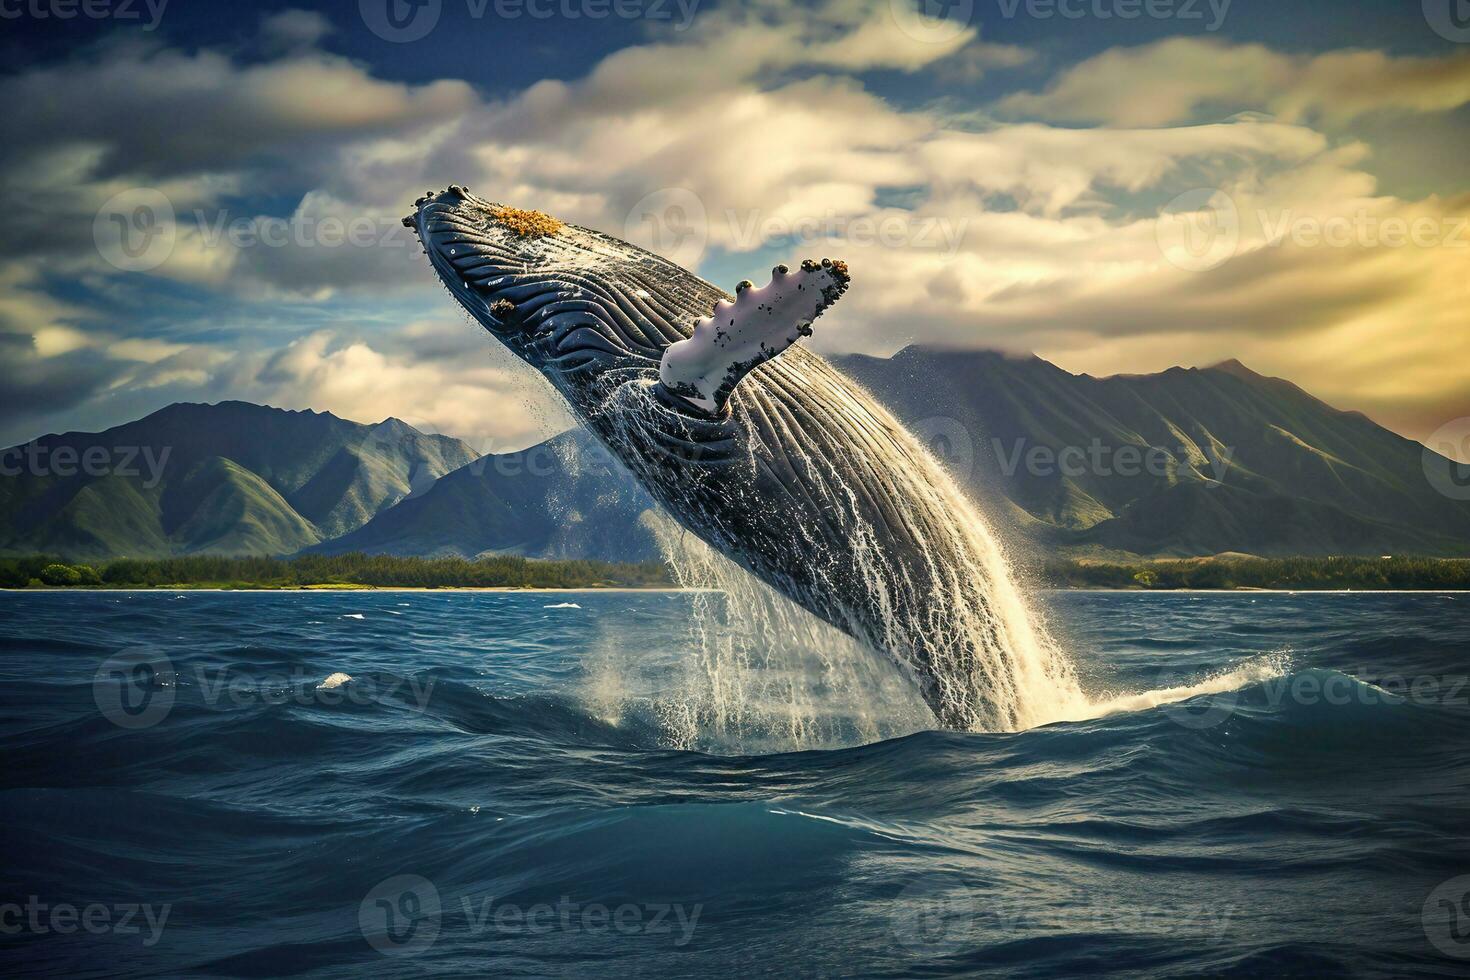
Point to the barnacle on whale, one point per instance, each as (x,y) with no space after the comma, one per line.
(527,224)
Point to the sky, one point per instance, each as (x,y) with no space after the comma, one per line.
(202,200)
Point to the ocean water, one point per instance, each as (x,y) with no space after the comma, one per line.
(568,784)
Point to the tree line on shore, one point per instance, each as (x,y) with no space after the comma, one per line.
(505,571)
(1305,574)
(512,571)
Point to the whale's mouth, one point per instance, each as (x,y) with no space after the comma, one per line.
(560,296)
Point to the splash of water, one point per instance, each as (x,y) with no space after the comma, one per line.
(1254,671)
(951,615)
(762,673)
(977,630)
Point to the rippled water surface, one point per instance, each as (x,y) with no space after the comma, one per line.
(348,784)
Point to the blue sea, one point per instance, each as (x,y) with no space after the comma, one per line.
(513,784)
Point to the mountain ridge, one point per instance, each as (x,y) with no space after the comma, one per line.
(265,479)
(1183,462)
(1297,475)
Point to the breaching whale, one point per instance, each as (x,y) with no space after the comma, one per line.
(755,444)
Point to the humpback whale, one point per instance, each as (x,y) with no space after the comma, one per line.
(756,444)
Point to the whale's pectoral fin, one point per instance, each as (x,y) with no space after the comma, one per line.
(742,335)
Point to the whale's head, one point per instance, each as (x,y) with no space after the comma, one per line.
(572,302)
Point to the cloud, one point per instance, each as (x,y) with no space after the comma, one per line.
(492,405)
(294,28)
(1028,236)
(476,395)
(160,112)
(1169,81)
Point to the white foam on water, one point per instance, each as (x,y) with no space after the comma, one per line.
(1254,671)
(354,616)
(334,681)
(562,605)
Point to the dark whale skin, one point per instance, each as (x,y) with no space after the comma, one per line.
(804,480)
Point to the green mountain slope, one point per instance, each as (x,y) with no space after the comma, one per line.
(229,478)
(1241,462)
(219,507)
(563,498)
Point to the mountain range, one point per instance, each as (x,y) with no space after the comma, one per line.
(231,478)
(1193,461)
(1255,464)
